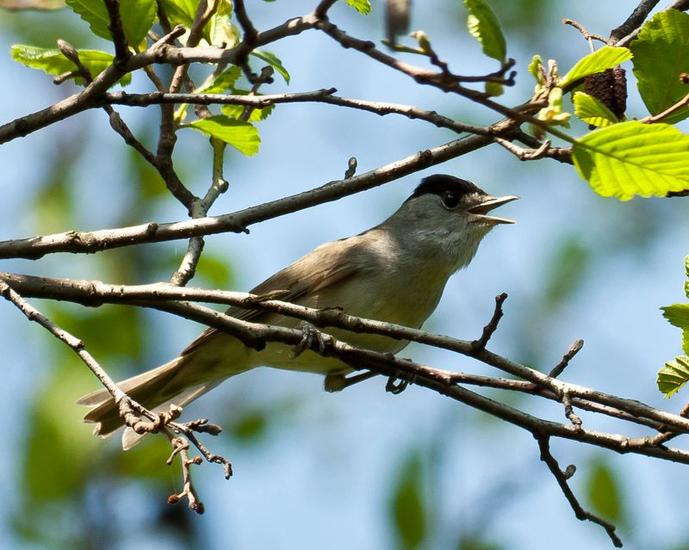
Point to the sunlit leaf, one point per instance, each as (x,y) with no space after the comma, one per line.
(659,59)
(673,375)
(362,6)
(606,57)
(592,111)
(273,61)
(51,61)
(678,315)
(485,27)
(632,158)
(224,81)
(236,111)
(407,506)
(137,17)
(180,12)
(243,136)
(603,491)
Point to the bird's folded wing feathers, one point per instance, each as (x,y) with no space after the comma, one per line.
(321,268)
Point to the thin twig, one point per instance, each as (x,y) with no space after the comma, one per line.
(96,293)
(566,358)
(589,37)
(117,30)
(633,22)
(672,109)
(492,325)
(88,242)
(561,478)
(525,154)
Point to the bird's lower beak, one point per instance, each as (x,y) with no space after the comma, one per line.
(488,204)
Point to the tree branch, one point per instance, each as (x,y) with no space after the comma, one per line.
(561,478)
(93,241)
(160,295)
(633,22)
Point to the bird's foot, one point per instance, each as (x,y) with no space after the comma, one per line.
(311,338)
(398,383)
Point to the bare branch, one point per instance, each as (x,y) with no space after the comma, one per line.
(93,241)
(566,358)
(589,37)
(318,96)
(158,296)
(492,325)
(633,22)
(561,478)
(117,30)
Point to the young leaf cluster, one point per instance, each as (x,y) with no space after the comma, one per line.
(142,22)
(627,158)
(675,373)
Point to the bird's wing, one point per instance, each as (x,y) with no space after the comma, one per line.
(327,265)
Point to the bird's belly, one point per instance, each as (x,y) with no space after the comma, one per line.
(403,306)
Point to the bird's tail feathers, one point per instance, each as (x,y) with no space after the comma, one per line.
(155,389)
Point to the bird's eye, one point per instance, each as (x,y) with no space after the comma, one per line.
(450,200)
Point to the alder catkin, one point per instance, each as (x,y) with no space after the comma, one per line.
(610,88)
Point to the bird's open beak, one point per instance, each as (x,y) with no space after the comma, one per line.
(488,204)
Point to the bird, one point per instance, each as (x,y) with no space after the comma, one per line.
(394,272)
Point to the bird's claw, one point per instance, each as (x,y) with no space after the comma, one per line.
(398,383)
(311,338)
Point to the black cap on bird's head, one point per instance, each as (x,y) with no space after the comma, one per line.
(463,195)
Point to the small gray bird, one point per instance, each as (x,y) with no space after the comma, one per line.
(394,272)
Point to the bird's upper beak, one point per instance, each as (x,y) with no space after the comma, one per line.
(487,204)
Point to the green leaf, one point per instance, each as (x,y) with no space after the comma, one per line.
(180,12)
(222,32)
(494,89)
(632,158)
(273,61)
(407,506)
(673,376)
(606,57)
(235,112)
(484,27)
(604,494)
(137,17)
(240,135)
(677,315)
(224,81)
(592,111)
(362,6)
(51,61)
(660,55)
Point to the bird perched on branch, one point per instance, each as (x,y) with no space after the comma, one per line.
(394,272)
